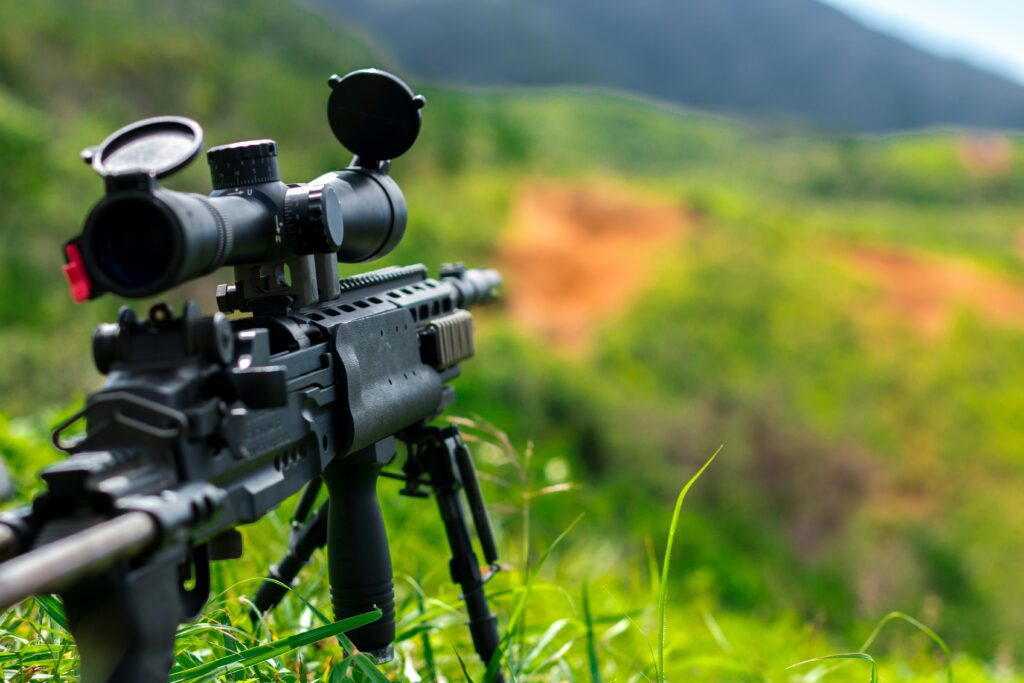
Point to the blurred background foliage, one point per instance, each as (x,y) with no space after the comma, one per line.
(845,314)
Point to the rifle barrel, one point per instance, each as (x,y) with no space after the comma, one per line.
(56,565)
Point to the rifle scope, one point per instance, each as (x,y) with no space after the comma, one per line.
(142,239)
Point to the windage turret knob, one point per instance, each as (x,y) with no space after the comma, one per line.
(251,162)
(312,219)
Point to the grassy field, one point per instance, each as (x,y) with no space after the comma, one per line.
(574,606)
(844,315)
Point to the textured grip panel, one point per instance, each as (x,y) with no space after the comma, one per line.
(454,338)
(349,601)
(359,561)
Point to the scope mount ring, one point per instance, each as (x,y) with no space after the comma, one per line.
(157,146)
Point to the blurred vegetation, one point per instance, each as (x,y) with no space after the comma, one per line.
(867,468)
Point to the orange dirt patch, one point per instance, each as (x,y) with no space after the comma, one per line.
(928,291)
(575,255)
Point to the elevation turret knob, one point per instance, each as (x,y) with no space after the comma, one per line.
(312,219)
(251,162)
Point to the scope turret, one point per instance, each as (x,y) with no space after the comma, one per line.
(142,239)
(239,164)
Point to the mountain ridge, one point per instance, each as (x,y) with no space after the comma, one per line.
(790,61)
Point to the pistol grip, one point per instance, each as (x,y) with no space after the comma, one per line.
(359,561)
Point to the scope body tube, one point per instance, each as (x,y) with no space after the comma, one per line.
(143,240)
(138,243)
(373,212)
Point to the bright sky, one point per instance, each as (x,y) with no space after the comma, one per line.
(987,33)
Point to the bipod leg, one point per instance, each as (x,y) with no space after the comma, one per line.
(307,536)
(440,452)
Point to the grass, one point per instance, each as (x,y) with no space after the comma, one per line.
(243,660)
(513,629)
(593,664)
(663,577)
(863,655)
(548,633)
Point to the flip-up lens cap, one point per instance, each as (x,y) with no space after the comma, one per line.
(158,146)
(374,114)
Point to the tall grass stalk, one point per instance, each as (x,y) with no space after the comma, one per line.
(663,590)
(514,621)
(588,620)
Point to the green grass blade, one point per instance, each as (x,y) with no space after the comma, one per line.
(843,655)
(413,631)
(290,589)
(254,655)
(716,631)
(54,609)
(362,662)
(462,663)
(643,634)
(892,616)
(663,590)
(33,654)
(428,650)
(588,620)
(932,635)
(338,672)
(549,634)
(520,607)
(554,659)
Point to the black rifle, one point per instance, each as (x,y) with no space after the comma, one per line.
(207,423)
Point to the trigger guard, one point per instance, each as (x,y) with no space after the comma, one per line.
(197,566)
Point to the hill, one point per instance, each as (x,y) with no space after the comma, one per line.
(768,60)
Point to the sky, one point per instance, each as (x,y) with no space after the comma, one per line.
(987,33)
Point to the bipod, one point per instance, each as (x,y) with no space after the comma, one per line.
(439,453)
(438,462)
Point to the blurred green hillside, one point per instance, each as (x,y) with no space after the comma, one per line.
(869,465)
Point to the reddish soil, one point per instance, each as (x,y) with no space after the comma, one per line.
(577,255)
(987,156)
(928,291)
